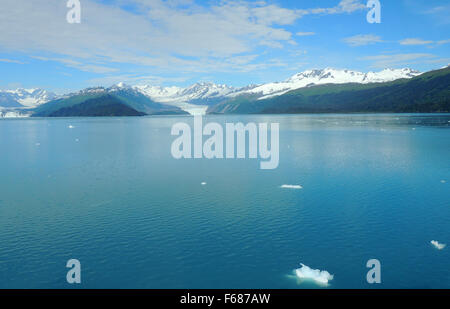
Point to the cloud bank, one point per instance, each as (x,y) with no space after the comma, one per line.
(415,41)
(363,39)
(181,36)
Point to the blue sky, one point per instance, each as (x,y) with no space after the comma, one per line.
(180,42)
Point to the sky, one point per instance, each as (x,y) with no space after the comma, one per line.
(233,42)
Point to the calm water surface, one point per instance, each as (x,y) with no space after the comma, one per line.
(109,193)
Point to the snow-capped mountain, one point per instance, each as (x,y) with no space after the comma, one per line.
(159,93)
(100,90)
(25,97)
(328,76)
(196,92)
(204,93)
(193,99)
(197,97)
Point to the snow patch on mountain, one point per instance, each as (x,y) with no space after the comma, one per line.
(29,97)
(205,91)
(184,97)
(202,93)
(328,76)
(158,93)
(198,91)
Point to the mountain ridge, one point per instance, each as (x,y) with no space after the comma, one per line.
(93,102)
(25,98)
(210,93)
(203,97)
(428,92)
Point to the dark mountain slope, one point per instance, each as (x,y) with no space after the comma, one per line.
(102,106)
(95,102)
(429,92)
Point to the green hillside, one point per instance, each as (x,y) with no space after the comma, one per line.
(95,107)
(429,92)
(124,102)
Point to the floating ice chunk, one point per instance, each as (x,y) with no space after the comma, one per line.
(319,276)
(203,183)
(296,187)
(438,245)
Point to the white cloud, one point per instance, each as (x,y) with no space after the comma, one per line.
(175,35)
(363,39)
(442,42)
(305,33)
(79,65)
(11,61)
(134,79)
(438,9)
(429,43)
(395,60)
(439,14)
(415,41)
(350,6)
(345,6)
(439,61)
(159,34)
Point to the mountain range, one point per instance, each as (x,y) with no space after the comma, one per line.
(428,92)
(325,90)
(118,100)
(25,98)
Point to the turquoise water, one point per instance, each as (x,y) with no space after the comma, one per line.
(109,193)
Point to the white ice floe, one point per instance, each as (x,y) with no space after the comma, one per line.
(438,245)
(319,276)
(297,187)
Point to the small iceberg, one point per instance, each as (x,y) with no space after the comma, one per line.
(296,187)
(319,276)
(438,245)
